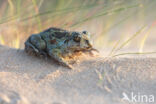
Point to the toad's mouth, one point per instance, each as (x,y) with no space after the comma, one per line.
(87,51)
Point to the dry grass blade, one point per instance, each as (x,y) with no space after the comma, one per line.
(11,5)
(115,46)
(145,37)
(143,40)
(134,53)
(117,43)
(131,38)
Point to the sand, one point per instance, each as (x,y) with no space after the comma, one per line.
(26,79)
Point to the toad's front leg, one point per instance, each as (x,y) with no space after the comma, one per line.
(56,54)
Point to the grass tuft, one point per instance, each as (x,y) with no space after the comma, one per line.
(105,19)
(115,49)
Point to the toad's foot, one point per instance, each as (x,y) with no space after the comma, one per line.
(92,52)
(69,66)
(55,54)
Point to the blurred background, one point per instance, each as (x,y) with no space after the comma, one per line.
(115,25)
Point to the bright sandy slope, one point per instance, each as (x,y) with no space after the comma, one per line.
(27,79)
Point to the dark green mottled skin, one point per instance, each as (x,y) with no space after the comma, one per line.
(58,43)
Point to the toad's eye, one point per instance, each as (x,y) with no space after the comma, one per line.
(77,39)
(84,32)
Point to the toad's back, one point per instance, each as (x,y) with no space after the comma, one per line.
(55,37)
(55,33)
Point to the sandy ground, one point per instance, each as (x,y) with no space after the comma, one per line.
(27,79)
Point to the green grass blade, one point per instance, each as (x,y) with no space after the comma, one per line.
(65,10)
(37,11)
(104,13)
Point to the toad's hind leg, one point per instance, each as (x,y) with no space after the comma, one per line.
(56,55)
(32,50)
